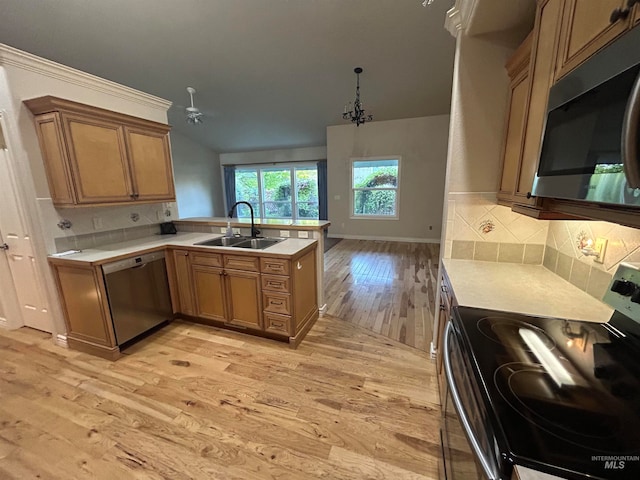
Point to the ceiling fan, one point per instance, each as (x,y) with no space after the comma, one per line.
(193,114)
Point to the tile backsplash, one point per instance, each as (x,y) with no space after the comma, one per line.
(94,226)
(479,229)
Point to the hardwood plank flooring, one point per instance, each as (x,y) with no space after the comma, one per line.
(385,287)
(196,402)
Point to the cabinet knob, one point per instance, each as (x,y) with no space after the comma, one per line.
(619,14)
(186,254)
(528,194)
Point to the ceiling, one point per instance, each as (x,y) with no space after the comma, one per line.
(268,73)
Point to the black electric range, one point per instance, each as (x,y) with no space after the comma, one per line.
(562,396)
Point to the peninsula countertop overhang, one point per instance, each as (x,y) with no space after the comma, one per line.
(288,248)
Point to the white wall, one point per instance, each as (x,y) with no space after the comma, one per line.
(422,145)
(307,154)
(197,178)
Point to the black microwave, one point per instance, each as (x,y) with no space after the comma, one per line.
(591,144)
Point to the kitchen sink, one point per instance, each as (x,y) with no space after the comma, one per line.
(241,242)
(223,241)
(258,243)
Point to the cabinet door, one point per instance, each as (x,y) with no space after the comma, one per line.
(150,161)
(635,15)
(54,154)
(84,300)
(243,299)
(98,159)
(183,281)
(586,28)
(208,286)
(545,39)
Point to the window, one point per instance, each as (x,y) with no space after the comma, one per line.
(283,191)
(375,187)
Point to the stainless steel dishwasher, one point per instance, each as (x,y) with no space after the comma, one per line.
(138,292)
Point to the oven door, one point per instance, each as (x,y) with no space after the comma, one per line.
(467,449)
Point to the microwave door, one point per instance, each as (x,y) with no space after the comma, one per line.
(630,138)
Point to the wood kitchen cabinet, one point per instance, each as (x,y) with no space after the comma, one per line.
(447,301)
(588,26)
(83,298)
(95,157)
(270,296)
(518,71)
(542,69)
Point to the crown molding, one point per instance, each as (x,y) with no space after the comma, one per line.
(453,20)
(27,61)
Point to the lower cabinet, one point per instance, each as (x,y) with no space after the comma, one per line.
(268,296)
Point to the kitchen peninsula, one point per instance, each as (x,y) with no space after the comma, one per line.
(269,292)
(269,227)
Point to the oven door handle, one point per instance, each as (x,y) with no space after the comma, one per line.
(446,360)
(630,125)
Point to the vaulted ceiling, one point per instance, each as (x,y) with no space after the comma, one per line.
(268,73)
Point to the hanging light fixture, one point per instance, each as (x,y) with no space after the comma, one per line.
(193,115)
(356,115)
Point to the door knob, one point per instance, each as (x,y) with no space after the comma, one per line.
(4,246)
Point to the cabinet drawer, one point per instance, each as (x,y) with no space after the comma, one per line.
(275,323)
(207,259)
(276,303)
(274,265)
(275,283)
(239,262)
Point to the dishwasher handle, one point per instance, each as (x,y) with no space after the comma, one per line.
(139,261)
(455,395)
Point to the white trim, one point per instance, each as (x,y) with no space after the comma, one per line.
(4,323)
(384,239)
(61,340)
(322,310)
(453,20)
(27,61)
(352,215)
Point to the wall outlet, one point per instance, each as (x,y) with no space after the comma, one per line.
(97,223)
(285,233)
(303,234)
(223,229)
(600,247)
(236,231)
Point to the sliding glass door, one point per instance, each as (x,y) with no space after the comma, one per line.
(283,191)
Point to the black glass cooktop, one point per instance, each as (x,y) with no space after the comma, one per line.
(565,394)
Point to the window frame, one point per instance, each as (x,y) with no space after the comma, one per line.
(292,167)
(352,189)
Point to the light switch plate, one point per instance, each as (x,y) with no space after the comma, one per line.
(303,234)
(223,229)
(600,247)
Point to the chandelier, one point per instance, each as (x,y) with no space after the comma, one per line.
(356,115)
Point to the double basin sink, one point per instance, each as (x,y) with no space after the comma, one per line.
(241,242)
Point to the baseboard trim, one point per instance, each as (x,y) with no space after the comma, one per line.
(4,323)
(61,341)
(384,239)
(322,310)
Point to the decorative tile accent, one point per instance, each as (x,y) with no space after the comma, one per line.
(511,253)
(486,252)
(533,254)
(580,274)
(462,249)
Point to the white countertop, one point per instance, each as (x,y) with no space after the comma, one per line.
(526,289)
(104,253)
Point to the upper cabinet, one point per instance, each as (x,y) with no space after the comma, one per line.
(588,26)
(542,69)
(518,70)
(94,156)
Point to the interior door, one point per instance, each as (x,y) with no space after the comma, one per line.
(21,283)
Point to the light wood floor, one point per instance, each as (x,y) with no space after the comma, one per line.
(194,402)
(386,287)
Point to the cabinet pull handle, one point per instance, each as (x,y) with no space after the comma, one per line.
(619,14)
(275,303)
(274,284)
(443,288)
(299,266)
